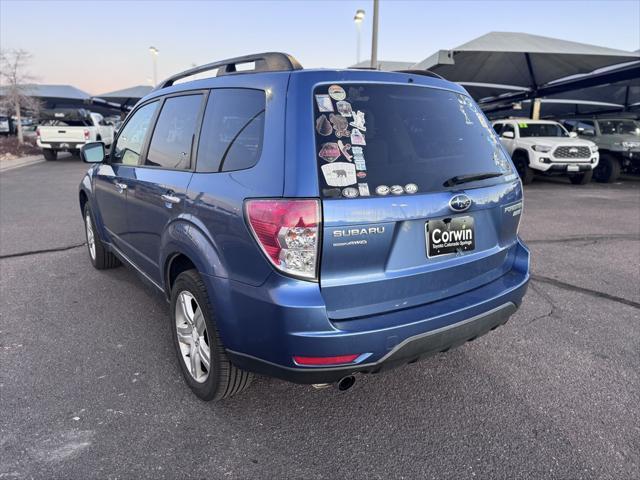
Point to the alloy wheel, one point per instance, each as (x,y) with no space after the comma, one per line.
(193,339)
(91,239)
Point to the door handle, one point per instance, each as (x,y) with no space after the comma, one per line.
(121,187)
(169,198)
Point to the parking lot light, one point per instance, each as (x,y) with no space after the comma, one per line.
(154,56)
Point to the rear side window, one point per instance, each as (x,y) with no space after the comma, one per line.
(381,139)
(131,139)
(232,131)
(173,135)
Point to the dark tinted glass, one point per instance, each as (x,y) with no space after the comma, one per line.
(541,130)
(382,139)
(172,138)
(131,139)
(232,130)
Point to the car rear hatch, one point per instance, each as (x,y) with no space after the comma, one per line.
(420,202)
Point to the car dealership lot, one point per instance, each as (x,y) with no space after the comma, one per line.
(90,387)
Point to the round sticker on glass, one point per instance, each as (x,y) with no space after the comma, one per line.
(350,192)
(382,190)
(337,92)
(397,189)
(411,188)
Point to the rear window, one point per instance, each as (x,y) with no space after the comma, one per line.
(380,139)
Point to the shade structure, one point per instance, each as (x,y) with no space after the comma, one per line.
(521,59)
(128,96)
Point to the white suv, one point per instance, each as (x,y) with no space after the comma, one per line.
(543,146)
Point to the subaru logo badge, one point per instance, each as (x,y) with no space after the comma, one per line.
(460,203)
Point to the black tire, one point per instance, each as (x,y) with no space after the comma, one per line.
(49,155)
(581,178)
(223,379)
(524,170)
(102,259)
(608,169)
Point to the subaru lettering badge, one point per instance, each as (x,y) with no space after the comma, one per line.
(460,203)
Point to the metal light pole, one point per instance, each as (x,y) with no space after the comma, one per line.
(374,36)
(358,18)
(154,56)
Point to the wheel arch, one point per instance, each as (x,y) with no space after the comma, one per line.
(185,246)
(521,153)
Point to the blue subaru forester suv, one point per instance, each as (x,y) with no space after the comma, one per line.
(310,224)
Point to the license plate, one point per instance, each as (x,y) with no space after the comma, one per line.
(64,145)
(450,235)
(573,168)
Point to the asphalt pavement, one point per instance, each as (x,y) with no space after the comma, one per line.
(90,386)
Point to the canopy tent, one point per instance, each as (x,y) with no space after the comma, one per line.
(127,97)
(520,59)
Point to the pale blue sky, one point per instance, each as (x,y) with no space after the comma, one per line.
(103,45)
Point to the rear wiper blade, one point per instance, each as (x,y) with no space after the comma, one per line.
(457,180)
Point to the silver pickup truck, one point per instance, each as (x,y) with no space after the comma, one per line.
(618,140)
(66,130)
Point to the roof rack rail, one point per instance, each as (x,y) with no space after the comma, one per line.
(426,73)
(264,62)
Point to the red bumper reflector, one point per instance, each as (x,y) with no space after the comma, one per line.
(326,360)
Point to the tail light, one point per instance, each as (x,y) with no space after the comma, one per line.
(86,134)
(288,232)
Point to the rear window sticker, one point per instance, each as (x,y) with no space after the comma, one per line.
(358,121)
(411,188)
(344,149)
(382,190)
(324,103)
(344,108)
(361,174)
(357,138)
(323,126)
(363,188)
(397,189)
(331,192)
(360,164)
(339,174)
(337,92)
(329,152)
(340,125)
(350,192)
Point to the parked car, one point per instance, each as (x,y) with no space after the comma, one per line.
(618,140)
(5,128)
(66,130)
(309,224)
(545,147)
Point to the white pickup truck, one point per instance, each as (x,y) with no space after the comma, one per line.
(66,130)
(545,147)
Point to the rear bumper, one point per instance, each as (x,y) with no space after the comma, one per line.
(64,146)
(264,327)
(410,350)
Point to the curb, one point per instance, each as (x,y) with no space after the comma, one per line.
(22,162)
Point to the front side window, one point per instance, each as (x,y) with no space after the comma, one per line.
(174,133)
(232,130)
(131,139)
(382,139)
(541,130)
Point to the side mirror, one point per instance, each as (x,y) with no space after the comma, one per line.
(92,152)
(508,135)
(589,132)
(573,134)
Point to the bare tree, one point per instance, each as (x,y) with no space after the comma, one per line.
(15,98)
